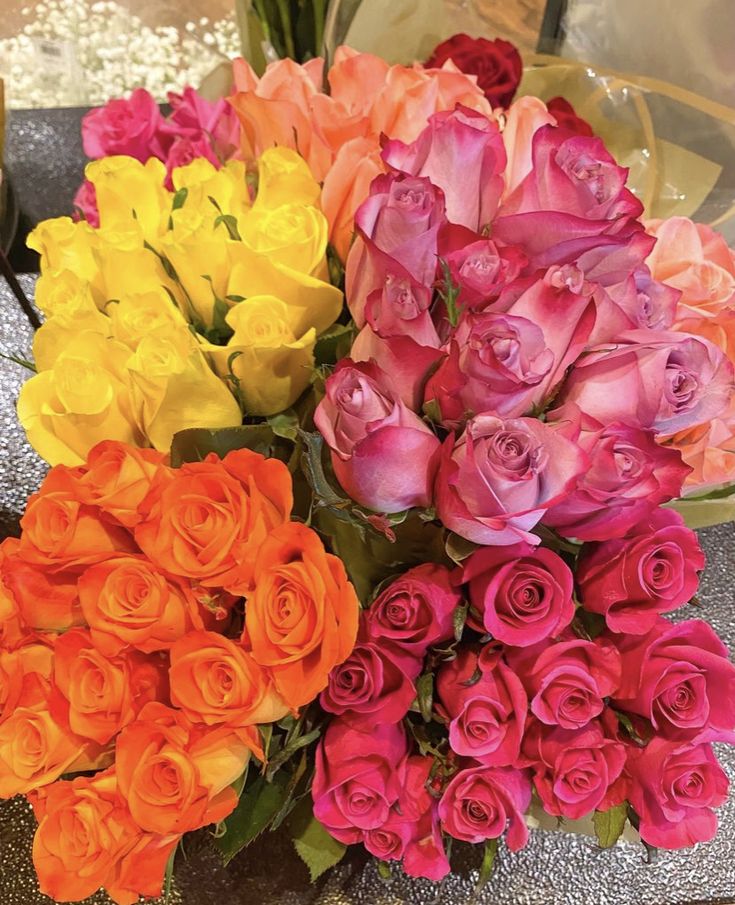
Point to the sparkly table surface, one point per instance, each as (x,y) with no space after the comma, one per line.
(556,868)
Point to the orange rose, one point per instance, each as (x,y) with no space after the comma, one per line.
(206,520)
(118,477)
(87,839)
(213,680)
(128,603)
(165,771)
(24,676)
(301,619)
(59,531)
(12,625)
(99,694)
(47,600)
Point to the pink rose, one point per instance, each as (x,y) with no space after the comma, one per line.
(194,117)
(694,259)
(460,138)
(383,454)
(629,475)
(678,677)
(85,204)
(129,126)
(496,482)
(523,119)
(481,269)
(184,150)
(569,680)
(654,569)
(486,705)
(673,787)
(645,302)
(575,771)
(424,855)
(480,802)
(521,594)
(374,685)
(415,611)
(400,305)
(358,778)
(668,382)
(397,226)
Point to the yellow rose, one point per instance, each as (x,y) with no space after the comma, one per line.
(136,315)
(202,181)
(79,399)
(291,234)
(130,191)
(126,266)
(173,387)
(271,363)
(284,177)
(68,300)
(64,245)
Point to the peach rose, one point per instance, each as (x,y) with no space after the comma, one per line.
(206,520)
(87,839)
(99,694)
(301,619)
(128,603)
(214,681)
(177,777)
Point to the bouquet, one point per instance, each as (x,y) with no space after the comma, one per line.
(393,573)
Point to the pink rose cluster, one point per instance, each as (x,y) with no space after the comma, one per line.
(136,127)
(516,362)
(443,728)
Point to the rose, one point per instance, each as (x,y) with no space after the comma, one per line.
(98,694)
(569,681)
(358,778)
(423,854)
(644,302)
(667,382)
(85,204)
(294,235)
(575,771)
(566,118)
(679,677)
(461,137)
(374,685)
(480,801)
(654,569)
(207,520)
(673,787)
(373,437)
(497,64)
(12,624)
(184,150)
(487,714)
(129,126)
(128,603)
(523,119)
(628,476)
(415,611)
(695,259)
(174,776)
(42,598)
(64,245)
(192,115)
(482,269)
(86,839)
(214,681)
(132,201)
(302,616)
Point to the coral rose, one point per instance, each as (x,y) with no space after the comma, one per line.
(301,619)
(206,520)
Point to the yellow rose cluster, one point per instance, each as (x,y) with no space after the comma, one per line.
(188,308)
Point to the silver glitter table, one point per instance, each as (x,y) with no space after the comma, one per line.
(556,868)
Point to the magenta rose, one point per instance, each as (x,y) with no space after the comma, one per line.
(486,713)
(569,681)
(480,802)
(397,226)
(575,771)
(497,64)
(374,685)
(129,126)
(184,150)
(416,611)
(520,594)
(464,139)
(653,570)
(673,788)
(85,204)
(388,842)
(668,382)
(646,303)
(193,116)
(383,454)
(496,482)
(424,854)
(358,778)
(679,677)
(481,269)
(629,475)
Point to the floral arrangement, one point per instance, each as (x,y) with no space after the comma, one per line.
(392,573)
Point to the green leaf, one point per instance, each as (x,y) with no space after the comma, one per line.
(287,752)
(449,291)
(609,825)
(488,862)
(432,411)
(285,424)
(317,849)
(257,808)
(459,618)
(334,344)
(425,695)
(385,871)
(179,199)
(195,443)
(458,549)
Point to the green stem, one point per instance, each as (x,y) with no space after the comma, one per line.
(320,13)
(285,14)
(263,16)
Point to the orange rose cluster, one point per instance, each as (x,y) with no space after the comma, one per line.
(151,618)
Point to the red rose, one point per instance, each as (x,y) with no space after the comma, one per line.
(497,64)
(567,118)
